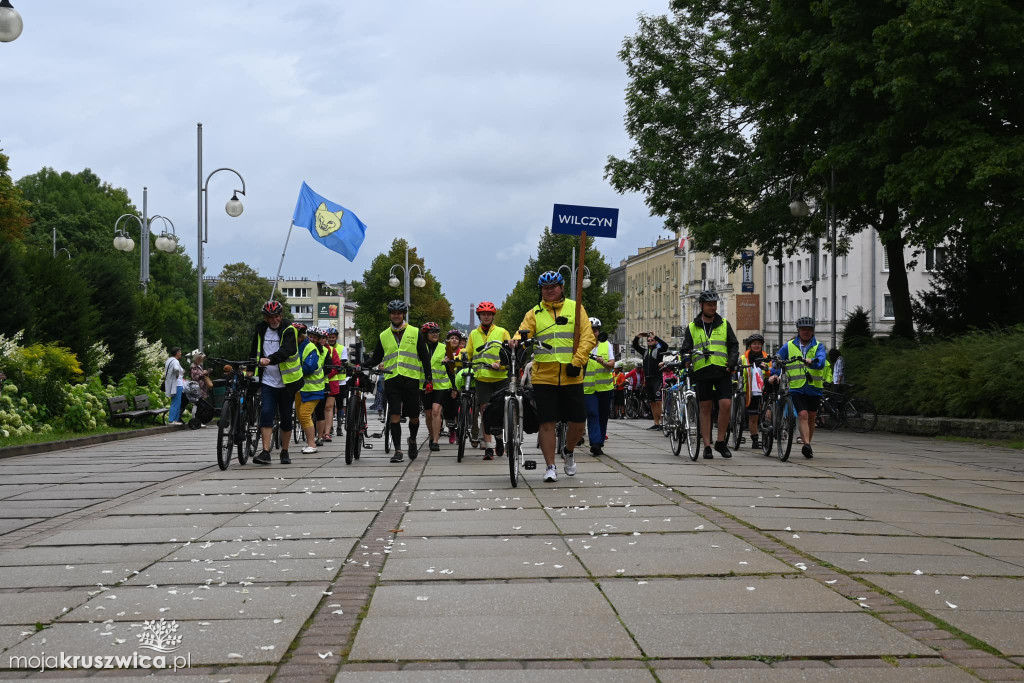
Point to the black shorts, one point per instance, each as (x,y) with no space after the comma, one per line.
(806,402)
(560,403)
(713,389)
(318,412)
(439,396)
(403,396)
(653,390)
(754,406)
(620,397)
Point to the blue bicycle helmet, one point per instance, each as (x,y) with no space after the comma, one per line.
(551,277)
(331,330)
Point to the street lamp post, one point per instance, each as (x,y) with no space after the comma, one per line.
(165,242)
(406,273)
(56,250)
(572,271)
(10,22)
(799,209)
(233,208)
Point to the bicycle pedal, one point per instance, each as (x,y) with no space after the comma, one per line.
(529,464)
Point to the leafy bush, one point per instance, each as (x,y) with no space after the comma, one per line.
(43,373)
(976,375)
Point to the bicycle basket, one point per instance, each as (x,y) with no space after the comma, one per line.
(192,391)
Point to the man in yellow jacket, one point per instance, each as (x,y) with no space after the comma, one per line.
(558,372)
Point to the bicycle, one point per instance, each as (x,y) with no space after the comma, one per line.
(356,387)
(238,426)
(840,407)
(777,417)
(467,409)
(512,415)
(738,418)
(685,411)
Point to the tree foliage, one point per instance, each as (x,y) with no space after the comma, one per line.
(915,106)
(554,250)
(373,294)
(14,218)
(235,304)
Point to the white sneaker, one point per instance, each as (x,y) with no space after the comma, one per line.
(570,464)
(551,474)
(307,450)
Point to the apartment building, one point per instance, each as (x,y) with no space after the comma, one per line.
(652,279)
(740,291)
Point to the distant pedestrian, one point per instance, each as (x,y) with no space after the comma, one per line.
(174,384)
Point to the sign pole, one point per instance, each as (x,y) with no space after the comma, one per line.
(277,278)
(579,292)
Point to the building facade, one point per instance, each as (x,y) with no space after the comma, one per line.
(320,304)
(616,282)
(740,291)
(861,276)
(652,277)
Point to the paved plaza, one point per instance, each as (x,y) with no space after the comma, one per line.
(885,558)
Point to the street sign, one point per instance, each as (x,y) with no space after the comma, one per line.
(748,270)
(596,221)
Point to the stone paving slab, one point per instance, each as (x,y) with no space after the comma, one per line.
(825,526)
(193,603)
(929,564)
(12,635)
(1001,549)
(29,608)
(84,554)
(620,520)
(67,575)
(208,642)
(299,519)
(794,635)
(873,544)
(121,536)
(1002,630)
(340,529)
(480,558)
(499,675)
(534,620)
(271,550)
(634,495)
(186,522)
(233,571)
(7,525)
(933,592)
(420,502)
(682,597)
(673,554)
(945,674)
(477,523)
(790,513)
(1004,531)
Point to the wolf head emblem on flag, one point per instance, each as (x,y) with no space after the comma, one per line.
(327,221)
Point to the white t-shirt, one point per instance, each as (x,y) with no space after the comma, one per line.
(272,344)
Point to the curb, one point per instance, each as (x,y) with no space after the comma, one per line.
(978,428)
(46,446)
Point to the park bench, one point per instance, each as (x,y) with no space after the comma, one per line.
(119,410)
(142,405)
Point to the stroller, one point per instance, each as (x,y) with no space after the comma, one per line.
(204,410)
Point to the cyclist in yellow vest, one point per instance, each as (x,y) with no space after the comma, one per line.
(598,388)
(492,376)
(313,387)
(453,364)
(439,399)
(276,345)
(806,383)
(718,351)
(556,374)
(754,365)
(335,371)
(402,352)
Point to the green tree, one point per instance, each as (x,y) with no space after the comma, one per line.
(17,313)
(114,295)
(61,305)
(373,294)
(168,310)
(554,250)
(80,206)
(235,305)
(14,217)
(913,105)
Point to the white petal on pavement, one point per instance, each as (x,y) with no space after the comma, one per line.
(951,605)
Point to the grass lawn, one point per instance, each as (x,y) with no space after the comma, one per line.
(1002,443)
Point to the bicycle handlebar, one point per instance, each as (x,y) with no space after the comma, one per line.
(241,363)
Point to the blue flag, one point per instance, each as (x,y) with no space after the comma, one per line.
(330,224)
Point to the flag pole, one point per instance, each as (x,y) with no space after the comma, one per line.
(277,280)
(579,292)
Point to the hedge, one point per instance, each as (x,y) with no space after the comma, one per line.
(977,375)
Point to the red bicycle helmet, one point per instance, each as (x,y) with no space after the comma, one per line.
(300,327)
(453,333)
(486,307)
(430,327)
(273,308)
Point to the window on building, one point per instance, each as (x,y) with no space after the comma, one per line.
(844,264)
(799,308)
(808,308)
(296,292)
(888,313)
(934,258)
(824,266)
(885,260)
(807,267)
(302,312)
(825,314)
(845,313)
(790,311)
(799,271)
(704,271)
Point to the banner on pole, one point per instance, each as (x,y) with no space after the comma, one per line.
(596,221)
(330,223)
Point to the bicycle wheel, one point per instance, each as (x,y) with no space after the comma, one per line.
(252,440)
(632,408)
(462,426)
(275,435)
(785,425)
(357,441)
(224,437)
(766,426)
(351,433)
(297,434)
(692,427)
(387,429)
(512,439)
(739,417)
(560,433)
(860,415)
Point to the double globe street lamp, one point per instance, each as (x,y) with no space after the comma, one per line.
(10,22)
(167,241)
(573,271)
(406,272)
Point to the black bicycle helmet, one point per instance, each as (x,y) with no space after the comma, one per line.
(397,306)
(756,337)
(805,321)
(453,333)
(707,295)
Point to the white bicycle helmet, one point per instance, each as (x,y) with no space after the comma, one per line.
(595,322)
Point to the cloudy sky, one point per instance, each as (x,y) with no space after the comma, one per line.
(454,124)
